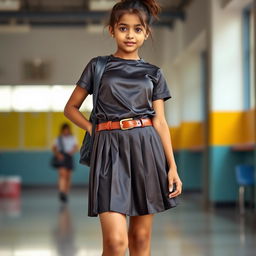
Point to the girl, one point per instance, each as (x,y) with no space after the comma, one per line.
(133,171)
(65,145)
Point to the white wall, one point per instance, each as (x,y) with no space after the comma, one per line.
(176,51)
(227,60)
(182,60)
(208,26)
(68,49)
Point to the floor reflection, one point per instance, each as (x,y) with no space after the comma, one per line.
(64,232)
(36,225)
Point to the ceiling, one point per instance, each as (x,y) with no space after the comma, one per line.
(76,12)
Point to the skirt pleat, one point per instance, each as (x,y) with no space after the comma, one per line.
(128,173)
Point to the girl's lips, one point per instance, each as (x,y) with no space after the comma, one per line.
(130,43)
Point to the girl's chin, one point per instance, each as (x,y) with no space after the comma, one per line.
(128,49)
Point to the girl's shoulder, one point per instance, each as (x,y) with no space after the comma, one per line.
(93,61)
(154,69)
(110,57)
(150,65)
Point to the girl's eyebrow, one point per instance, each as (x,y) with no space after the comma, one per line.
(124,24)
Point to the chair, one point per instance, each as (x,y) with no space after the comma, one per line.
(245,178)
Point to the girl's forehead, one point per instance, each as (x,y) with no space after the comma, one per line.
(129,19)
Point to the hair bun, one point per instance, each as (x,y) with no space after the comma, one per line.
(150,6)
(153,7)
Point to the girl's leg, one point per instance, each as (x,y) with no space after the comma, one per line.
(62,179)
(139,234)
(64,183)
(114,231)
(68,180)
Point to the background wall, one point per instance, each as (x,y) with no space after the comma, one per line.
(210,40)
(28,137)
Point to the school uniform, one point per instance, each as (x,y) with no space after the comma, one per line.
(128,172)
(66,144)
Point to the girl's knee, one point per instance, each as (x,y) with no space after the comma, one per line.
(64,173)
(140,238)
(116,243)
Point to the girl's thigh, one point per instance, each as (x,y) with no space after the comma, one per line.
(114,226)
(63,171)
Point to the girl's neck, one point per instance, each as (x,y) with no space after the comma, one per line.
(128,56)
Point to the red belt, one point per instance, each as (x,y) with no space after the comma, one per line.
(124,124)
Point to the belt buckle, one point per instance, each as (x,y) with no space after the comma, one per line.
(121,123)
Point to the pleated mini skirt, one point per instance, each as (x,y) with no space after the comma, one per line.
(128,173)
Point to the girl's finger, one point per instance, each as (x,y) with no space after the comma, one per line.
(176,192)
(170,187)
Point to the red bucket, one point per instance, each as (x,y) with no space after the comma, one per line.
(2,180)
(10,187)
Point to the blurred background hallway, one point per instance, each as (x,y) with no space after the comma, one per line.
(206,49)
(36,225)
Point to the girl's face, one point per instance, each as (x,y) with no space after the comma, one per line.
(129,34)
(66,131)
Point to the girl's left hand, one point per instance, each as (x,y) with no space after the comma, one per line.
(173,177)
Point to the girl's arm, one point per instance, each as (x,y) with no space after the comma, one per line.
(56,152)
(160,124)
(74,150)
(71,110)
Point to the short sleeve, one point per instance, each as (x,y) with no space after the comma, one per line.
(86,79)
(75,142)
(161,90)
(56,142)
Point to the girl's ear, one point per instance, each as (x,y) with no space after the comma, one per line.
(111,31)
(148,32)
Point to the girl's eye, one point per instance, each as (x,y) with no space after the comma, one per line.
(122,29)
(138,30)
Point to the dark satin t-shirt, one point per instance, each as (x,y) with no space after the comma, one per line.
(127,88)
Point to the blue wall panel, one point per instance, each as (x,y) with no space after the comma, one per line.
(34,168)
(189,165)
(222,172)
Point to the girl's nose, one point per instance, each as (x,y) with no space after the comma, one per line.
(129,35)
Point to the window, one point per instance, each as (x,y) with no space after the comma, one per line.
(37,98)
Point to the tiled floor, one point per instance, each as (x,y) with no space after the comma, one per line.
(37,226)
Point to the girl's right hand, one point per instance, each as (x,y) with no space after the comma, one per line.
(60,156)
(90,129)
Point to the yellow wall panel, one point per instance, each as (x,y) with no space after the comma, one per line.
(81,132)
(35,130)
(230,128)
(80,136)
(9,130)
(57,119)
(187,136)
(191,135)
(248,120)
(40,129)
(227,128)
(175,135)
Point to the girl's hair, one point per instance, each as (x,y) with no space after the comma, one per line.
(64,126)
(147,11)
